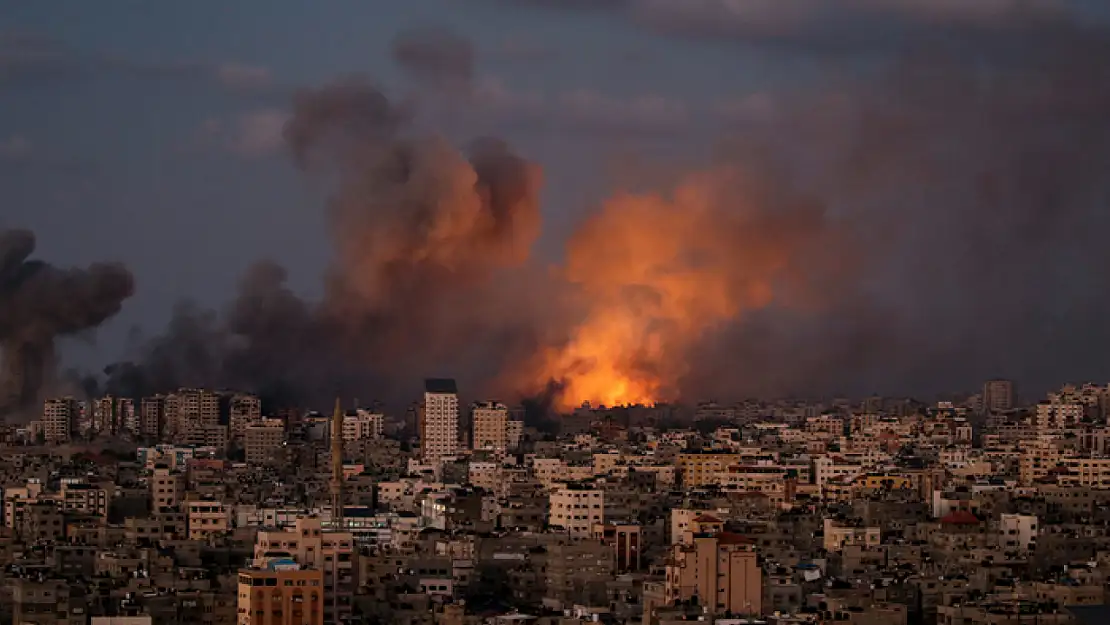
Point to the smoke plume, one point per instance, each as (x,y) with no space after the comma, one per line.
(423,234)
(38,304)
(915,228)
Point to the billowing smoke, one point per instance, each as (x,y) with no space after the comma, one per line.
(658,273)
(38,304)
(917,231)
(916,228)
(423,234)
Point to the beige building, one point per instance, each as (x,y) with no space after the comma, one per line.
(16,500)
(697,469)
(263,440)
(838,535)
(363,425)
(490,427)
(310,546)
(721,570)
(207,517)
(576,510)
(83,498)
(59,419)
(281,593)
(439,421)
(167,488)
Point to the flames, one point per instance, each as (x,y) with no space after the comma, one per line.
(658,273)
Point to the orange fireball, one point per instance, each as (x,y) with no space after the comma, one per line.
(658,273)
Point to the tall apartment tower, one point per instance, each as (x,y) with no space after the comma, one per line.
(246,410)
(493,430)
(998,396)
(59,418)
(152,416)
(337,467)
(439,420)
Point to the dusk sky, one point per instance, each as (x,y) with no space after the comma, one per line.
(151,133)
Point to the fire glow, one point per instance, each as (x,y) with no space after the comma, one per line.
(659,273)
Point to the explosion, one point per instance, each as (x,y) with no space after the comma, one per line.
(658,274)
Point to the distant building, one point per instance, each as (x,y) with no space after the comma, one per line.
(59,419)
(245,410)
(439,420)
(490,427)
(363,425)
(152,416)
(998,396)
(263,440)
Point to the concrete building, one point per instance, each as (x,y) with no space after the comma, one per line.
(281,592)
(1019,531)
(998,396)
(112,415)
(47,602)
(721,570)
(59,419)
(207,518)
(490,427)
(362,425)
(167,488)
(244,410)
(263,440)
(152,416)
(310,546)
(576,510)
(439,420)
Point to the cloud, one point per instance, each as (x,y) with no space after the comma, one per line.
(243,76)
(30,59)
(846,26)
(580,110)
(15,149)
(520,49)
(251,134)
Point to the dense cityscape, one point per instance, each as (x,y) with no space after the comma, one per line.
(442,312)
(201,506)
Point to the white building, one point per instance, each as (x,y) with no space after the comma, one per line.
(439,420)
(363,425)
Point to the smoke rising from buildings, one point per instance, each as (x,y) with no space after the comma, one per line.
(38,304)
(422,235)
(932,224)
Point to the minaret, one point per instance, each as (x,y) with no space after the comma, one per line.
(337,468)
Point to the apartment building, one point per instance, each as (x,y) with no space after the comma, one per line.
(281,592)
(576,509)
(439,421)
(720,570)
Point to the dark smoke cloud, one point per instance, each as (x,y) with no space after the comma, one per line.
(970,176)
(979,185)
(38,304)
(422,234)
